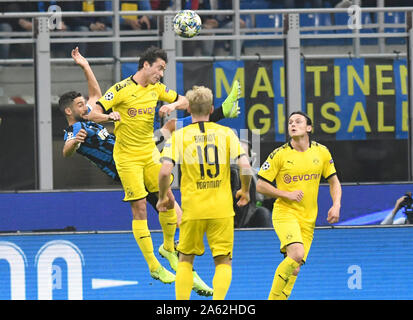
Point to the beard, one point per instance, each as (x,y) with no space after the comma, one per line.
(79,118)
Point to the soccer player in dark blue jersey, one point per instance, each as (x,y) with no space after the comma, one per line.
(88,138)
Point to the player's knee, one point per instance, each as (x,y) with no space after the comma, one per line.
(296,252)
(298,256)
(223,259)
(139,209)
(186,258)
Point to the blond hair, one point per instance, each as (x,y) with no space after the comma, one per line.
(200,100)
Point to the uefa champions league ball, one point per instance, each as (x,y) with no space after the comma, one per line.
(187,23)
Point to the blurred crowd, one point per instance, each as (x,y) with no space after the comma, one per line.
(84,24)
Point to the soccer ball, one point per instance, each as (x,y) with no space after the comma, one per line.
(187,23)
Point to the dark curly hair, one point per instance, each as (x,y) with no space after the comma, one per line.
(66,100)
(150,55)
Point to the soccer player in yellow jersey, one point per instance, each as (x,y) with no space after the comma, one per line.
(135,153)
(297,167)
(205,151)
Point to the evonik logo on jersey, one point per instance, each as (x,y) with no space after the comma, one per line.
(147,110)
(133,112)
(301,177)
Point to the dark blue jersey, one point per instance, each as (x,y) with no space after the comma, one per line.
(98,145)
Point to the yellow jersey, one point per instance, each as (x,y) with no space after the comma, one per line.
(205,151)
(136,106)
(293,170)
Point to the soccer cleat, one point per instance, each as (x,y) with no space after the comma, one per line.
(230,106)
(200,287)
(163,275)
(172,257)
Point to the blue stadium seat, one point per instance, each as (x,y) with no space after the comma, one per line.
(316,20)
(267,21)
(308,20)
(366,19)
(324,20)
(341,19)
(256,4)
(396,18)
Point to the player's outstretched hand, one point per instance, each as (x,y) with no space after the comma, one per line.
(244,198)
(79,59)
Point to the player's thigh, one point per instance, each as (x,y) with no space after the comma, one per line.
(288,232)
(220,236)
(132,179)
(191,237)
(151,176)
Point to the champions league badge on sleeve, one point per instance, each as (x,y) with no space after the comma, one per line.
(265,166)
(108,96)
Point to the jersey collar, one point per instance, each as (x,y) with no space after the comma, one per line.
(133,80)
(291,146)
(201,125)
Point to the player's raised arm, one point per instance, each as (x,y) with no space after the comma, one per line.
(94,91)
(98,115)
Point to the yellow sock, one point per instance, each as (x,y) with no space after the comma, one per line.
(288,287)
(144,240)
(222,281)
(167,219)
(282,274)
(183,281)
